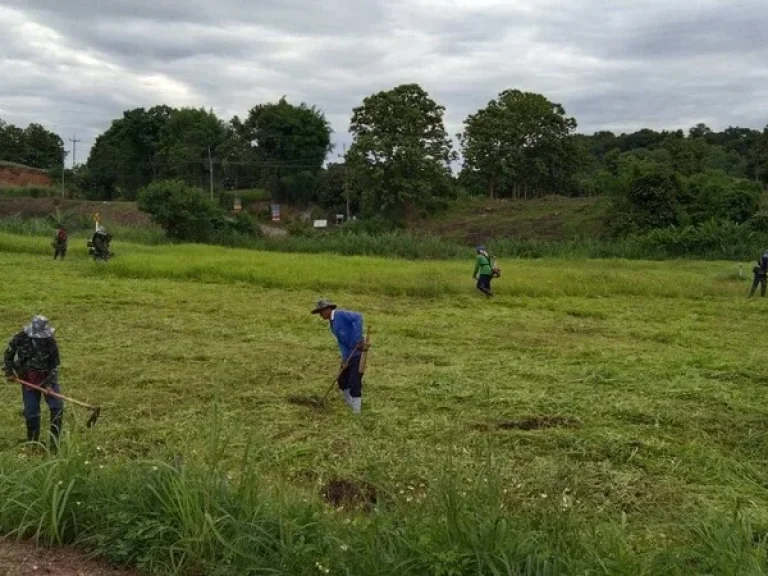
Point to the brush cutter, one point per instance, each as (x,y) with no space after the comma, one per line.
(95,410)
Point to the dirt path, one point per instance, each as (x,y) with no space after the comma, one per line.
(23,559)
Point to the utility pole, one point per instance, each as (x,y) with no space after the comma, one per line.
(210,168)
(63,166)
(346,179)
(74,141)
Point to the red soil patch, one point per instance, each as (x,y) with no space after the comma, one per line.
(18,175)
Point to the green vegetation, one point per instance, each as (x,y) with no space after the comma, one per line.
(29,191)
(33,146)
(597,416)
(188,215)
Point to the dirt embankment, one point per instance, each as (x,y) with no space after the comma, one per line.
(23,559)
(18,175)
(122,213)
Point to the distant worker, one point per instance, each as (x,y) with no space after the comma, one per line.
(33,356)
(60,243)
(485,271)
(761,275)
(98,247)
(348,329)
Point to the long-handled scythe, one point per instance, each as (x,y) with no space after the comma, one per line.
(95,410)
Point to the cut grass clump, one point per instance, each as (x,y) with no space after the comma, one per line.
(539,422)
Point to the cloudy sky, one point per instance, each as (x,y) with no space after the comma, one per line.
(73,65)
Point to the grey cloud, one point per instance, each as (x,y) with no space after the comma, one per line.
(658,63)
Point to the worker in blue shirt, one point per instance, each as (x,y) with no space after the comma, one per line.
(348,328)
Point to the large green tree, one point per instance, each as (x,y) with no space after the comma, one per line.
(400,158)
(127,156)
(290,144)
(189,142)
(34,146)
(519,144)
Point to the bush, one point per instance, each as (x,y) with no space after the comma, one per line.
(374,226)
(185,213)
(243,223)
(759,222)
(741,202)
(653,200)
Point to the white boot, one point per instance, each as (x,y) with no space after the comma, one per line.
(356,404)
(347,397)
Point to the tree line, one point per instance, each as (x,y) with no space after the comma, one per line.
(33,146)
(402,161)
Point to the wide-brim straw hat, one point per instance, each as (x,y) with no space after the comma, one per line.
(40,327)
(323,305)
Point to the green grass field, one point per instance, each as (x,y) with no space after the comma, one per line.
(596,417)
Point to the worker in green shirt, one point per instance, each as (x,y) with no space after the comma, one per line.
(484,271)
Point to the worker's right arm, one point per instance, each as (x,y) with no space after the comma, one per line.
(477,267)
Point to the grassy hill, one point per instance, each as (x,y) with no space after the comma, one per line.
(550,218)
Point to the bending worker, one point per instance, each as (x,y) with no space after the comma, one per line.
(348,328)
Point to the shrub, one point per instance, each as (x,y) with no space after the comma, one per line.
(653,200)
(742,201)
(184,212)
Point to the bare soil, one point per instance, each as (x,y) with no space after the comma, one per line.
(18,175)
(349,493)
(24,559)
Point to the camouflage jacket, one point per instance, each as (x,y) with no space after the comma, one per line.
(24,354)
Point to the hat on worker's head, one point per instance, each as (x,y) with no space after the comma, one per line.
(323,304)
(480,249)
(40,327)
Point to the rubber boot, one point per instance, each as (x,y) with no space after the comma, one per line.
(356,404)
(347,397)
(33,429)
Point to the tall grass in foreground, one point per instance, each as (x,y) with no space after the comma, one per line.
(200,517)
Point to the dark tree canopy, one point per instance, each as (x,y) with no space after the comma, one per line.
(33,146)
(519,141)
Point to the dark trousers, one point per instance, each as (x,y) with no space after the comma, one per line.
(484,283)
(351,379)
(762,281)
(31,399)
(59,251)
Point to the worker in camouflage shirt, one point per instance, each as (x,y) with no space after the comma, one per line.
(60,242)
(33,356)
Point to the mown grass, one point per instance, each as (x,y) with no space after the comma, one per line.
(656,368)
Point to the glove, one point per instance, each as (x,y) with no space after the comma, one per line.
(9,375)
